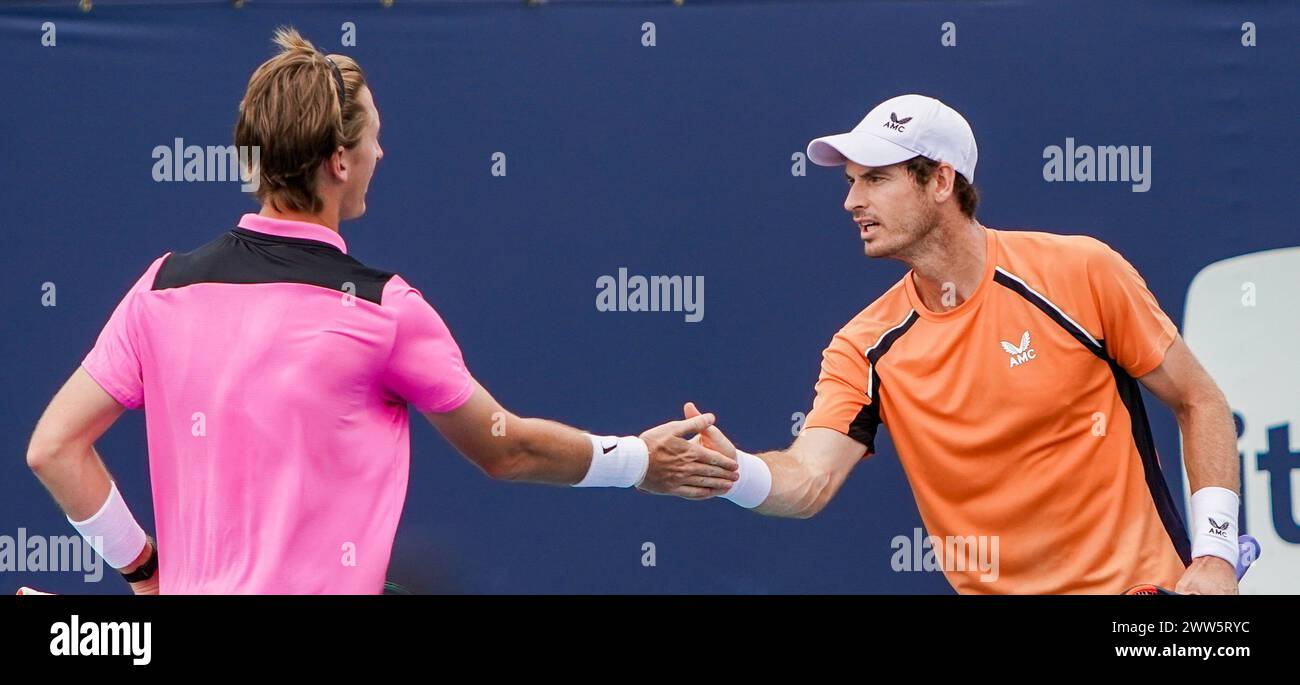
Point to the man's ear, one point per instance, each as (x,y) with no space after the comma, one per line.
(946,177)
(337,165)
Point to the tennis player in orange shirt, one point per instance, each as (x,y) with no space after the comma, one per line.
(1006,365)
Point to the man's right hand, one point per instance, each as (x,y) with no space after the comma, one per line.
(683,467)
(711,437)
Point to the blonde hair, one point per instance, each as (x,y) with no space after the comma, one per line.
(291,111)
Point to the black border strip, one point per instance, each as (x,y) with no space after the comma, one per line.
(867,422)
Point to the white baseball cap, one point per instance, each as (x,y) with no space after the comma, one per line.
(899,129)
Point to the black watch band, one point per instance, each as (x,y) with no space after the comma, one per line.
(147,569)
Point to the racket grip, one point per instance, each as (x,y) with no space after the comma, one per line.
(1248,551)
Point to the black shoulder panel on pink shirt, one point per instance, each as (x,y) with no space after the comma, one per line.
(244,256)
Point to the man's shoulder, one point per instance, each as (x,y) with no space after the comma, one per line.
(1050,259)
(1039,244)
(398,292)
(242,257)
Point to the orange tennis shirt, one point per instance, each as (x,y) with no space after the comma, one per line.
(1016,414)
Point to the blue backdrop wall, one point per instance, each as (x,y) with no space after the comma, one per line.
(673,158)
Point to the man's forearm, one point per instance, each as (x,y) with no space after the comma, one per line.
(659,460)
(75,476)
(1209,444)
(544,451)
(797,491)
(1210,456)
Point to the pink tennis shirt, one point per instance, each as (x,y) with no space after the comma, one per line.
(275,372)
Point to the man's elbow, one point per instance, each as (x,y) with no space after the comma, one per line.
(43,450)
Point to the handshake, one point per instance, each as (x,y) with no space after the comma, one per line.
(699,468)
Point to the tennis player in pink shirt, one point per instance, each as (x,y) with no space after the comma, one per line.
(276,371)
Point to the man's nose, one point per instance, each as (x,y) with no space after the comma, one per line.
(852,201)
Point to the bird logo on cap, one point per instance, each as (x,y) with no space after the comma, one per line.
(895,123)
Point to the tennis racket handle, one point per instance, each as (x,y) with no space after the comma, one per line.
(1248,551)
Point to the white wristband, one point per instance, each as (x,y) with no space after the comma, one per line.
(615,462)
(1214,524)
(113,531)
(754,484)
